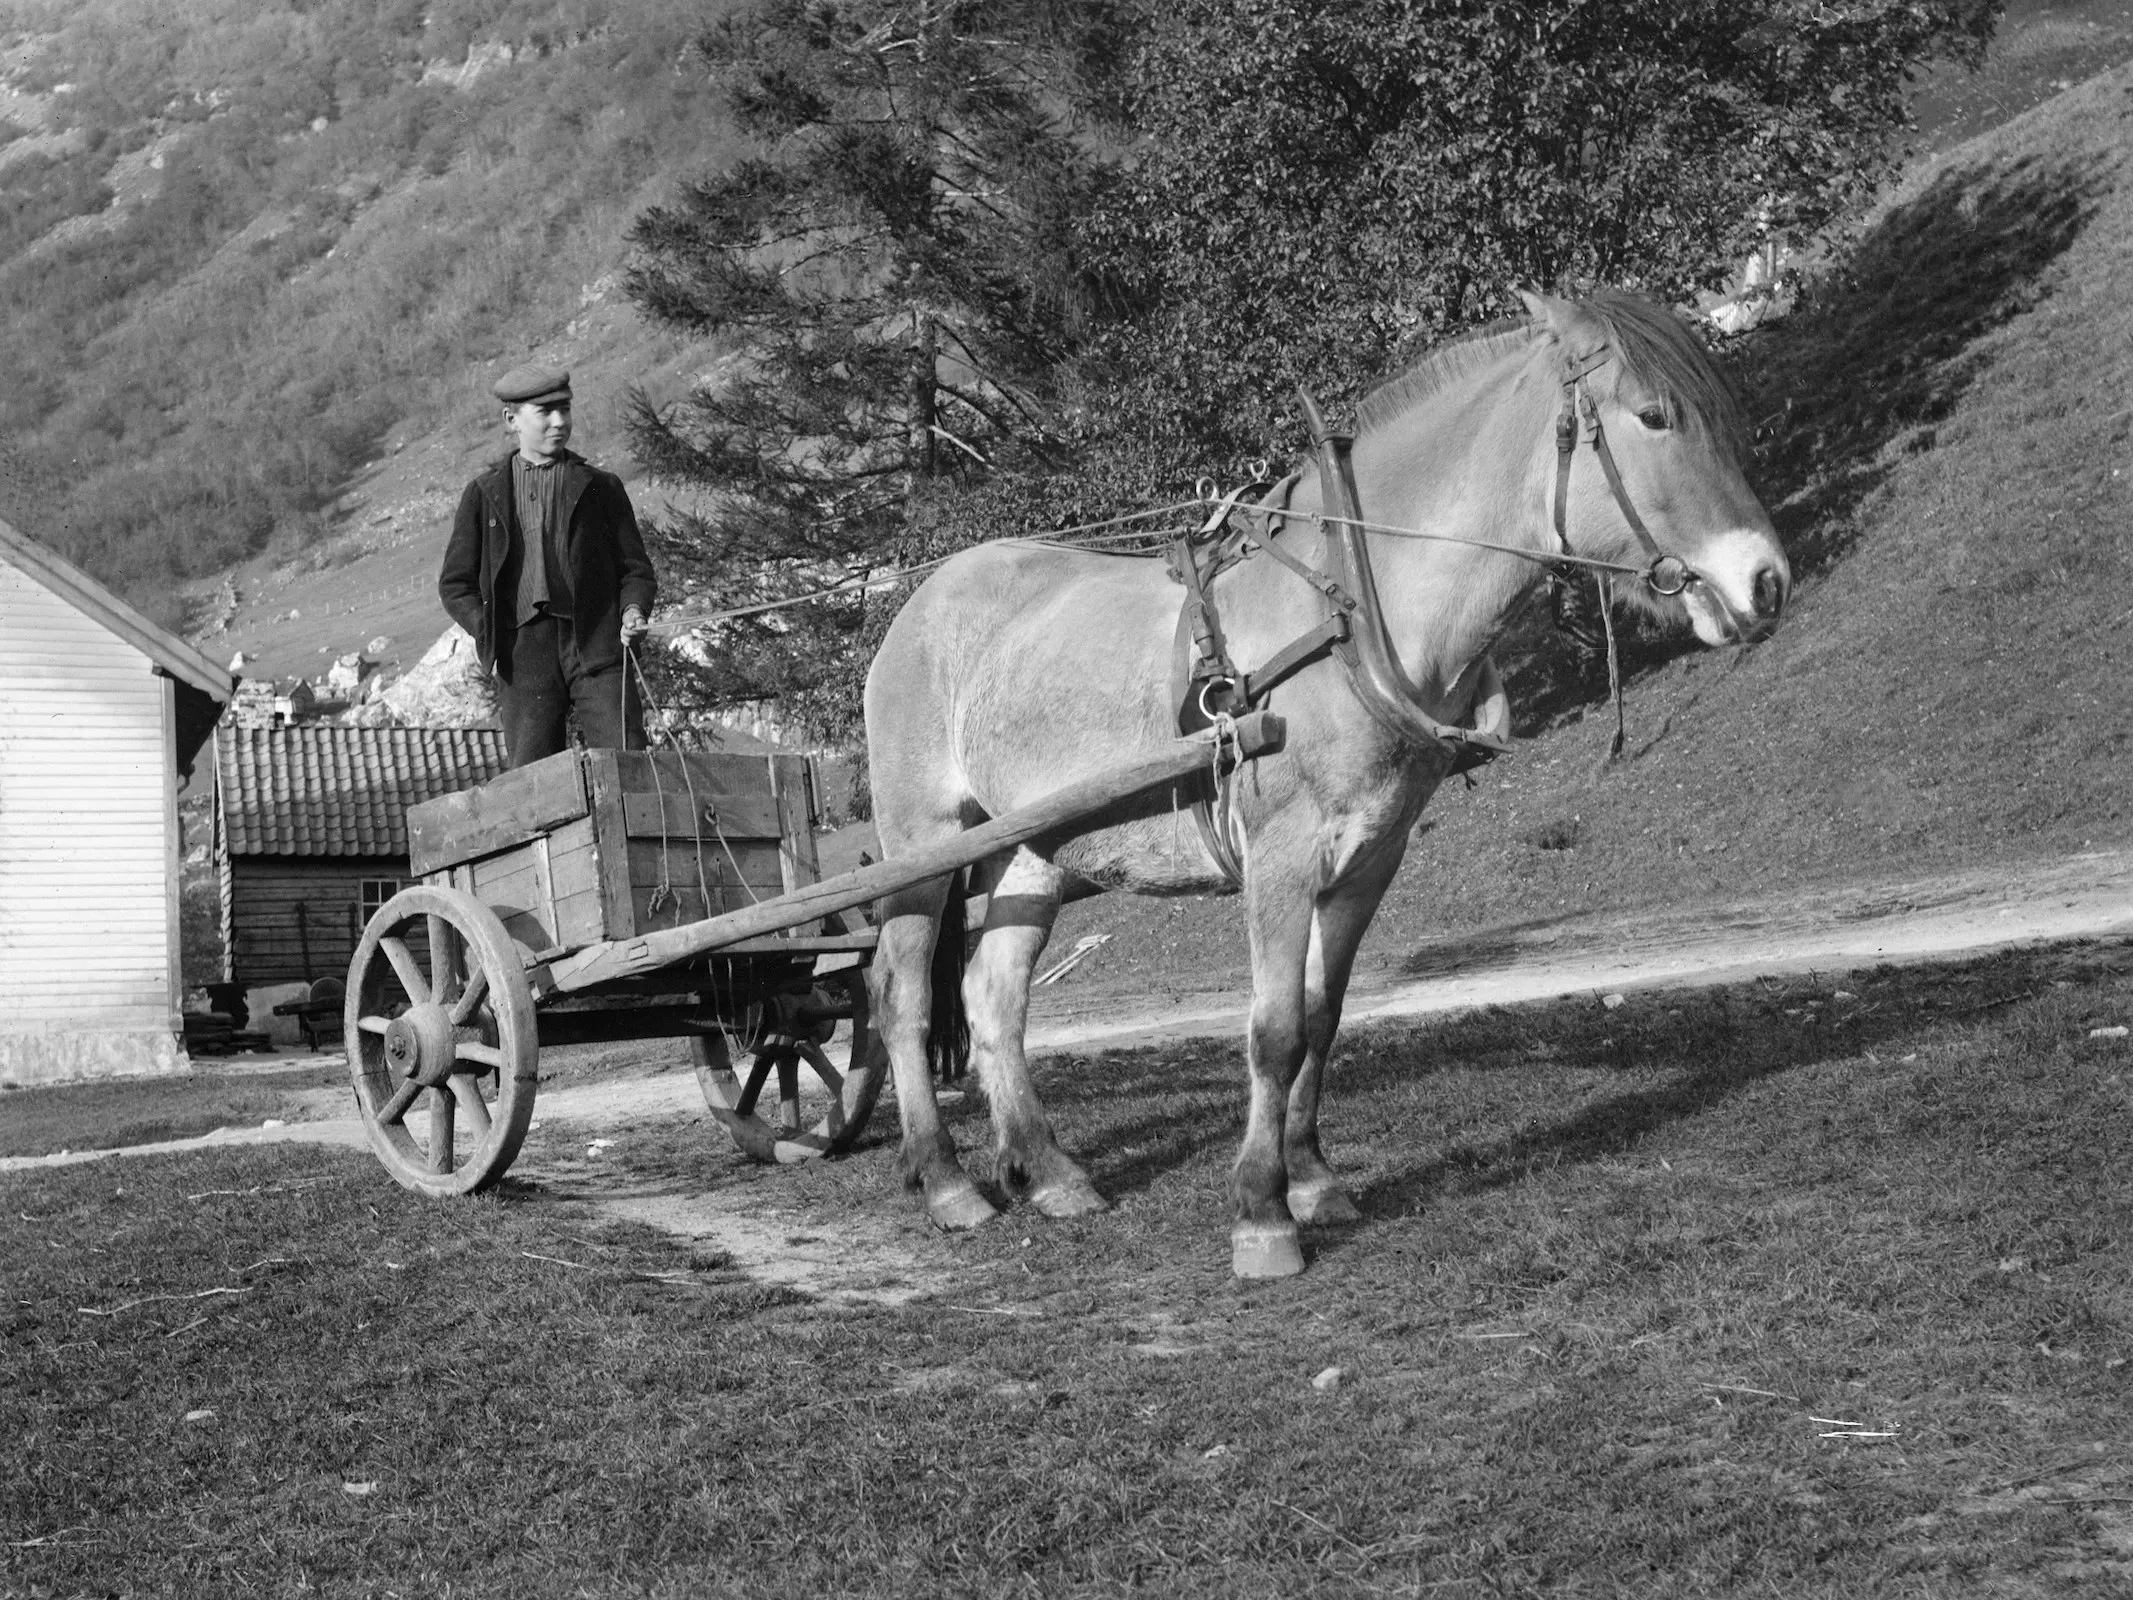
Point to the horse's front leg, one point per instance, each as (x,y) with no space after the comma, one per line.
(1337,926)
(900,980)
(1019,915)
(1263,1238)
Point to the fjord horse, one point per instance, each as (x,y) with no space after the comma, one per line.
(1019,667)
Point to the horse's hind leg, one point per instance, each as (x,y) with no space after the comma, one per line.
(903,1010)
(1337,927)
(1028,1162)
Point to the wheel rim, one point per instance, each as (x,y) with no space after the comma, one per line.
(790,1078)
(441,1041)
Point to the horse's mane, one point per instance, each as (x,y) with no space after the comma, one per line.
(1440,366)
(1653,345)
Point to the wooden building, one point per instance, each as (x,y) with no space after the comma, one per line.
(311,835)
(101,714)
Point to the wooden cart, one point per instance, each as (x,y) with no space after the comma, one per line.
(607,895)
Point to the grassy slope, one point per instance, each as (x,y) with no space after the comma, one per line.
(1945,450)
(291,243)
(1611,1275)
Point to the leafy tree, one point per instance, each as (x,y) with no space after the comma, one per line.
(1320,186)
(897,283)
(1172,213)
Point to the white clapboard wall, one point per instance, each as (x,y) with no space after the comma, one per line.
(88,845)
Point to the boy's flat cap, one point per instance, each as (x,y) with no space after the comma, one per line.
(521,384)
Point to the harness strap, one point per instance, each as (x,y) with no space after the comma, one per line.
(1614,480)
(1299,652)
(1566,431)
(1210,653)
(1325,584)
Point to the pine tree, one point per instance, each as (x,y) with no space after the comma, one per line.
(897,290)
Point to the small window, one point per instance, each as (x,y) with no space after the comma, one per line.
(376,891)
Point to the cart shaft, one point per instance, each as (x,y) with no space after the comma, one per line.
(1058,812)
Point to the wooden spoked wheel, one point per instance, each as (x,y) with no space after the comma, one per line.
(789,1065)
(441,1041)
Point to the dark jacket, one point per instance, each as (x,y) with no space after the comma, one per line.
(606,569)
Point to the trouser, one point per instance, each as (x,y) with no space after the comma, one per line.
(542,687)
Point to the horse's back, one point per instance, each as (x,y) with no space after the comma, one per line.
(1014,669)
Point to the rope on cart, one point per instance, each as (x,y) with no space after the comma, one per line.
(698,812)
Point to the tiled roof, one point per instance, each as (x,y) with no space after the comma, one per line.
(335,791)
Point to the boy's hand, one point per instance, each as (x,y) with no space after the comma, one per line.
(634,627)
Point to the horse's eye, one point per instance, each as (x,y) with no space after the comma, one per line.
(1654,418)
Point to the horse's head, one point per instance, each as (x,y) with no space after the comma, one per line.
(1653,478)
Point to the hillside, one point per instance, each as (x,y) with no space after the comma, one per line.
(262,260)
(1947,447)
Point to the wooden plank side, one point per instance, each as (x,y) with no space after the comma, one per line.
(85,802)
(573,863)
(676,876)
(674,813)
(510,885)
(297,918)
(578,919)
(736,787)
(797,862)
(172,859)
(796,825)
(507,810)
(611,867)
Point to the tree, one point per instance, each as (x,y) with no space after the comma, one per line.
(1170,212)
(899,291)
(1321,186)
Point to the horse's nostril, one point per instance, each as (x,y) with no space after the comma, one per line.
(1769,593)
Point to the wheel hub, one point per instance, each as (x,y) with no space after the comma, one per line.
(419,1044)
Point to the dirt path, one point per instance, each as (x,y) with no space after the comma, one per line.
(1969,913)
(1826,930)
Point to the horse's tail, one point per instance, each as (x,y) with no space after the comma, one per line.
(948,1040)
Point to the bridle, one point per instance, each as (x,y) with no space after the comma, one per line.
(1665,574)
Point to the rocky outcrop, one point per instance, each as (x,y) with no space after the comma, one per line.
(447,688)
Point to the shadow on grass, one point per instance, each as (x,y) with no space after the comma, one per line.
(1149,1113)
(1883,352)
(1876,356)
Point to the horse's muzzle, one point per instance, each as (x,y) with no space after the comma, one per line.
(1725,614)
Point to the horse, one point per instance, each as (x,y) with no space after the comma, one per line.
(1020,666)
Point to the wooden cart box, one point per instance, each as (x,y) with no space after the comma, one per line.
(597,845)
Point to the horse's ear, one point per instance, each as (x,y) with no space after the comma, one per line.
(1544,310)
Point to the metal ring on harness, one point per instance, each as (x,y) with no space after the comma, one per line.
(1666,571)
(1215,714)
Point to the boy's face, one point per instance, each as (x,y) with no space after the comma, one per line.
(542,426)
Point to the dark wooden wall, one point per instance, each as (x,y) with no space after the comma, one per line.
(265,939)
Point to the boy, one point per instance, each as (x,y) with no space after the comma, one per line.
(546,569)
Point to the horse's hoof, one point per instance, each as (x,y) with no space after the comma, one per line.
(960,1209)
(1069,1200)
(1265,1250)
(1321,1203)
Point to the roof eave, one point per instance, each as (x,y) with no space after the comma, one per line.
(170,654)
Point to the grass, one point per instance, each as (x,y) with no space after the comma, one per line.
(109,1115)
(1614,1266)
